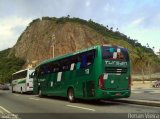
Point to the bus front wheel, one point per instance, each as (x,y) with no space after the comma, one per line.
(71,96)
(12,90)
(40,94)
(157,86)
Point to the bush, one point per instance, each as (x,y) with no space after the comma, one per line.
(9,65)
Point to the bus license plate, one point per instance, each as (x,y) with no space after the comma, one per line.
(118,94)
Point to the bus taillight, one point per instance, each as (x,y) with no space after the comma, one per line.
(101,82)
(129,82)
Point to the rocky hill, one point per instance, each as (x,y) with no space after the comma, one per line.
(69,35)
(36,42)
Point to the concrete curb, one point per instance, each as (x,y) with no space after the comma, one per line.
(139,102)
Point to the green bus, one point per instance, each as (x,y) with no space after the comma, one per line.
(98,72)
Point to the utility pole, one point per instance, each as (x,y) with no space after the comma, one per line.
(53,43)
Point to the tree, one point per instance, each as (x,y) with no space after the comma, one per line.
(147,45)
(111,28)
(140,60)
(68,16)
(116,29)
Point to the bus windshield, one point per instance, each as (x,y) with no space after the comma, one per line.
(114,53)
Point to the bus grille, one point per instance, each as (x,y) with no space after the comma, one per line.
(115,70)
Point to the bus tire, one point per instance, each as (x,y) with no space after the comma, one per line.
(12,90)
(40,94)
(71,96)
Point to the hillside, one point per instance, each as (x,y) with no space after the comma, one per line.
(9,65)
(36,42)
(71,34)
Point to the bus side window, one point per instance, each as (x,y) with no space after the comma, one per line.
(77,61)
(84,61)
(52,66)
(41,71)
(65,67)
(45,70)
(90,58)
(78,65)
(87,59)
(65,64)
(37,72)
(56,68)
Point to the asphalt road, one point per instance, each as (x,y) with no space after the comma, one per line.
(31,106)
(152,94)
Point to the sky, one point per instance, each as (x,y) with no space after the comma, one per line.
(138,19)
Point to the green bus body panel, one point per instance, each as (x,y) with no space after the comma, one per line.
(19,81)
(85,84)
(22,81)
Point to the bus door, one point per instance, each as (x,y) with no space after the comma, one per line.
(42,79)
(29,80)
(84,74)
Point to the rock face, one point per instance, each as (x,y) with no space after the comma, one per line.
(36,43)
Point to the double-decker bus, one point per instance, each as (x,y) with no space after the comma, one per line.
(22,81)
(98,72)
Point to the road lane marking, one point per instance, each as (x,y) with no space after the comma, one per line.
(137,92)
(5,109)
(16,94)
(81,107)
(156,91)
(8,114)
(1,112)
(34,98)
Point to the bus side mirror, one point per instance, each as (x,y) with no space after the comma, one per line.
(32,75)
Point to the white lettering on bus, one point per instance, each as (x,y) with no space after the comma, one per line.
(116,63)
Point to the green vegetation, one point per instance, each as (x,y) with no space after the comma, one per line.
(8,65)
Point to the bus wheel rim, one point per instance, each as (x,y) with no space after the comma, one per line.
(40,92)
(71,95)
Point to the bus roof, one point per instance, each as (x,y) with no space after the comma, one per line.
(23,70)
(67,55)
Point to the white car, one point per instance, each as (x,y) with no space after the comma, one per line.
(4,86)
(156,84)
